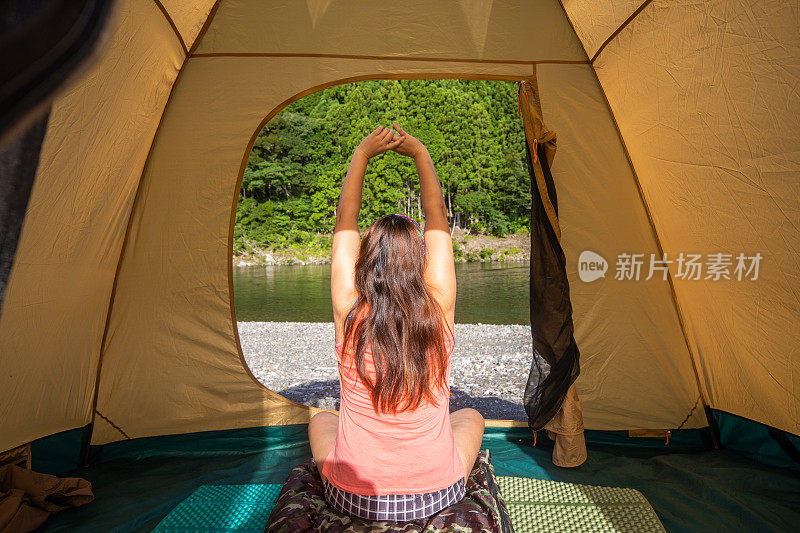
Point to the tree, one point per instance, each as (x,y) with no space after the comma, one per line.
(294,172)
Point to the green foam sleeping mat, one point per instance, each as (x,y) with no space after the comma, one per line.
(554,506)
(534,505)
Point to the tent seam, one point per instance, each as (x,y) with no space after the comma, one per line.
(618,30)
(675,303)
(394,58)
(172,23)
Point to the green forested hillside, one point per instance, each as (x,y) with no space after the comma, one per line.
(471,128)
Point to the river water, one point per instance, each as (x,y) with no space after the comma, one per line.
(488,293)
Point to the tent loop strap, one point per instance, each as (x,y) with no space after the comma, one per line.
(690,413)
(112,424)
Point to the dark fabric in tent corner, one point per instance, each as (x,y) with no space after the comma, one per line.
(551,310)
(28,498)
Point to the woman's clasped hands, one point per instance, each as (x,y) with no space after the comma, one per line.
(382,139)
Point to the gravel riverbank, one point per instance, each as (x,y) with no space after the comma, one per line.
(297,360)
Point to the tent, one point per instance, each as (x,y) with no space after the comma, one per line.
(677,132)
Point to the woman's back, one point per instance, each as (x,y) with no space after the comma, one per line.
(408,452)
(411,464)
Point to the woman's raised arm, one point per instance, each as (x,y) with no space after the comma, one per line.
(346,239)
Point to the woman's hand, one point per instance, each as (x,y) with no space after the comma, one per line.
(379,141)
(411,146)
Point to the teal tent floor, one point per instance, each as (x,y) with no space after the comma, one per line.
(137,483)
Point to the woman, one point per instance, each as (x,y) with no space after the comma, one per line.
(394,452)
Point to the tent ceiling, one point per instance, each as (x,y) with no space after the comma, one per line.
(511,30)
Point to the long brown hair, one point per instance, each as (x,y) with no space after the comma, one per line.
(396,312)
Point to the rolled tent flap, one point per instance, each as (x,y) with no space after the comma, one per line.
(546,400)
(566,429)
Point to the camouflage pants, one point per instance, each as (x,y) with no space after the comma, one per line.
(301,506)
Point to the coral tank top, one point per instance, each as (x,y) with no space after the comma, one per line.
(408,452)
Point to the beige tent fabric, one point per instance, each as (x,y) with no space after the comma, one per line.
(705,99)
(627,331)
(536,133)
(55,307)
(708,108)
